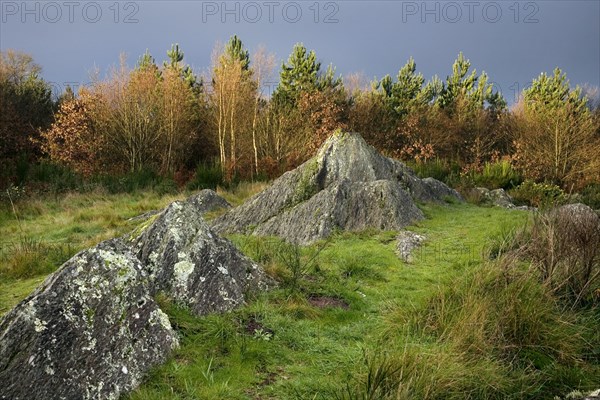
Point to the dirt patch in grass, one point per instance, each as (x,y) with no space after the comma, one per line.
(255,327)
(328,302)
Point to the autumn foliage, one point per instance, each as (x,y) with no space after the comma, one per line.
(166,119)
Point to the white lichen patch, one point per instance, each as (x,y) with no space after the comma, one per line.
(114,260)
(223,270)
(30,311)
(159,317)
(91,346)
(39,325)
(224,295)
(183,269)
(153,257)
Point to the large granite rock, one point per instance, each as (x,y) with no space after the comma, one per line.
(348,185)
(205,201)
(91,331)
(351,206)
(208,200)
(496,197)
(186,260)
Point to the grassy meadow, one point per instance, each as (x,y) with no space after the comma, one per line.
(349,319)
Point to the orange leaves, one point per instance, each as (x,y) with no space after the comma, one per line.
(324,112)
(71,140)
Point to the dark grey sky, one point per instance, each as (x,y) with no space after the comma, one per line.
(513,41)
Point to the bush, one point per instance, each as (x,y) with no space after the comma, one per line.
(55,178)
(590,195)
(129,183)
(498,175)
(208,176)
(439,169)
(564,247)
(166,186)
(538,194)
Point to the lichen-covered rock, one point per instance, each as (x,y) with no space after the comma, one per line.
(208,200)
(205,200)
(577,215)
(496,197)
(342,187)
(190,263)
(406,243)
(436,191)
(90,331)
(348,206)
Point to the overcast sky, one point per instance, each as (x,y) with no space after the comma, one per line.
(512,41)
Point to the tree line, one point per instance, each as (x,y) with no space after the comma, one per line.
(166,118)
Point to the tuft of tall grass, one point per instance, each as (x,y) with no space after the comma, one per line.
(28,257)
(495,333)
(440,169)
(497,175)
(564,247)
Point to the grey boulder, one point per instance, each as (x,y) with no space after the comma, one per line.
(207,200)
(191,264)
(347,185)
(406,243)
(90,331)
(496,197)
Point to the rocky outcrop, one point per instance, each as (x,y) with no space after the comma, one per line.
(185,259)
(91,331)
(496,197)
(406,243)
(348,185)
(577,215)
(204,201)
(351,206)
(207,200)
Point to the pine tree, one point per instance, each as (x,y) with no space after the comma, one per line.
(299,74)
(175,55)
(406,92)
(556,139)
(235,51)
(464,89)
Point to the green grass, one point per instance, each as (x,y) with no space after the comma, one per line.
(314,351)
(13,291)
(427,329)
(38,235)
